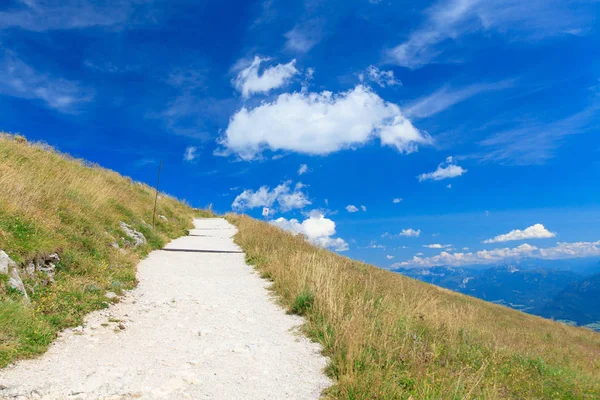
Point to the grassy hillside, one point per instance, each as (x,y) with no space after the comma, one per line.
(392,337)
(52,203)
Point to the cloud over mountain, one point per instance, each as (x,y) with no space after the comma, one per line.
(537,231)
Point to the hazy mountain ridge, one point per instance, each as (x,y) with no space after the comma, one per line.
(569,293)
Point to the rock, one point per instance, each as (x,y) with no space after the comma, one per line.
(9,267)
(121,327)
(137,237)
(110,295)
(15,282)
(163,217)
(30,268)
(114,245)
(6,264)
(53,258)
(48,269)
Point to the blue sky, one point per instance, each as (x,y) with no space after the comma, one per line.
(376,128)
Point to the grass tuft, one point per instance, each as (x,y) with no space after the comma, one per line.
(302,303)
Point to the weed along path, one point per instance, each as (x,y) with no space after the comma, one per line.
(200,325)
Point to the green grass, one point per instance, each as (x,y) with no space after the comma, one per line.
(50,203)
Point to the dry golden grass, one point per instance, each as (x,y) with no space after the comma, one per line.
(392,337)
(49,203)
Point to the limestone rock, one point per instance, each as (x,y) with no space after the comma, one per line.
(163,217)
(30,268)
(9,267)
(137,237)
(6,264)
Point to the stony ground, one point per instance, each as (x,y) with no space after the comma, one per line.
(200,325)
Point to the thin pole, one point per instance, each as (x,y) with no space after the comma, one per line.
(156,196)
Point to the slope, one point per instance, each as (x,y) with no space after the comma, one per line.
(53,207)
(392,337)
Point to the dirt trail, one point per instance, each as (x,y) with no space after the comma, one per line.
(200,325)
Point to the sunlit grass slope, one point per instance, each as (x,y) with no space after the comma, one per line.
(392,337)
(52,203)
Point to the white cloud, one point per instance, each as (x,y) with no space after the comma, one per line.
(303,169)
(381,78)
(437,246)
(319,124)
(533,142)
(571,250)
(537,231)
(397,200)
(249,81)
(449,186)
(364,208)
(22,81)
(558,252)
(445,98)
(389,257)
(351,208)
(42,16)
(450,19)
(317,229)
(445,170)
(286,197)
(304,36)
(410,232)
(190,153)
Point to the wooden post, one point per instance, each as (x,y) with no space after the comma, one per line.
(156,196)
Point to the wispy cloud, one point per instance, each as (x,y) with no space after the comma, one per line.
(446,97)
(450,19)
(304,36)
(379,77)
(535,142)
(190,154)
(21,80)
(39,15)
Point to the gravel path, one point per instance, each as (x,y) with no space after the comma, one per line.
(200,325)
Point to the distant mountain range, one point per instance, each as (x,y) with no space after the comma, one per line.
(569,292)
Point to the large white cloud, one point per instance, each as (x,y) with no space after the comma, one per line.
(410,232)
(249,81)
(317,229)
(319,124)
(558,252)
(284,195)
(445,170)
(537,231)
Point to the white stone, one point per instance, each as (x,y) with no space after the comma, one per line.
(138,237)
(5,263)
